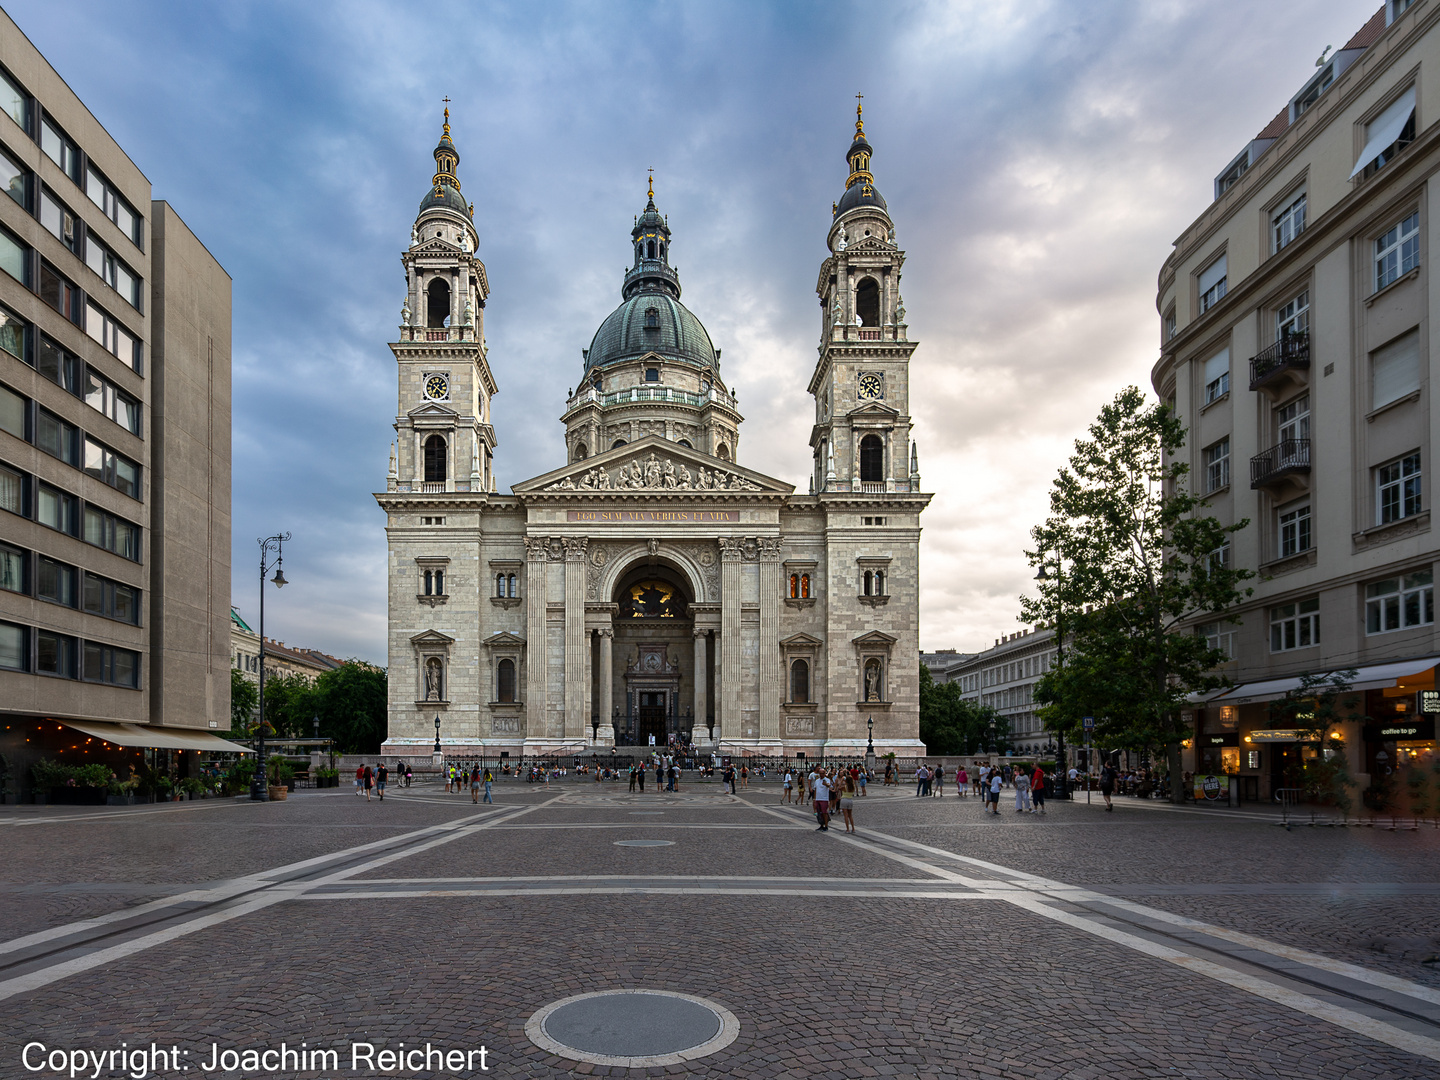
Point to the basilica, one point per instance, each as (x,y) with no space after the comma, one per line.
(653,585)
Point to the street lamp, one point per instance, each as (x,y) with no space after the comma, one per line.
(259,789)
(437,751)
(870,747)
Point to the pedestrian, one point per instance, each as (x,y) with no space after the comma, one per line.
(822,802)
(997,780)
(640,775)
(745,776)
(1037,791)
(962,781)
(940,780)
(632,776)
(474,778)
(489,779)
(382,774)
(1107,785)
(847,803)
(369,779)
(359,779)
(789,786)
(864,780)
(1022,791)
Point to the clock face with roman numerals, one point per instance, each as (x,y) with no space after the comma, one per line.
(437,387)
(871,386)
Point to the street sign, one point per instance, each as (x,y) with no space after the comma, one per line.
(1088,723)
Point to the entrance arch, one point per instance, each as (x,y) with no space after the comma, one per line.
(652,624)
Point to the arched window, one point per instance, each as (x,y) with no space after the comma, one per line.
(427,582)
(795,586)
(439,582)
(505,680)
(662,249)
(650,250)
(685,443)
(435,459)
(652,374)
(617,444)
(437,303)
(872,458)
(879,582)
(800,682)
(652,318)
(581,452)
(500,585)
(867,302)
(804,586)
(510,584)
(869,583)
(722,452)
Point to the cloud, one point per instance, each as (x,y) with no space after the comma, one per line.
(1038,159)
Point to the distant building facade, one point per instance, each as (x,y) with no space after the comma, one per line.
(280,659)
(1003,677)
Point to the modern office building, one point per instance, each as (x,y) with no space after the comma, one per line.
(1295,327)
(114,441)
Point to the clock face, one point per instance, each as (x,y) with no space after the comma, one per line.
(870,385)
(437,386)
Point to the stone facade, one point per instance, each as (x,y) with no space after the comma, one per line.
(653,585)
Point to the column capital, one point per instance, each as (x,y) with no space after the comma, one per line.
(574,547)
(700,632)
(605,631)
(536,548)
(770,547)
(732,549)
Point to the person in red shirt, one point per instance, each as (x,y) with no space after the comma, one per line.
(1037,791)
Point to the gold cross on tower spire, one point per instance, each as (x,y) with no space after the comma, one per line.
(859,114)
(446,99)
(652,181)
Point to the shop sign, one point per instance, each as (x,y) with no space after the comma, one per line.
(1229,738)
(1276,735)
(1401,731)
(1211,787)
(1430,701)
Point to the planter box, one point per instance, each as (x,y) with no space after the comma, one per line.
(279,794)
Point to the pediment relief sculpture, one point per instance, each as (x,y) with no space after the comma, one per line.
(654,473)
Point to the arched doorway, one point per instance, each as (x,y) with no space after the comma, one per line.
(653,691)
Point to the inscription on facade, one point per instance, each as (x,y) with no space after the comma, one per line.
(653,517)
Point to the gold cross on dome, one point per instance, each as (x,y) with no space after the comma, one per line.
(652,181)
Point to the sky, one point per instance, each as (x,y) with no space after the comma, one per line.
(1039,159)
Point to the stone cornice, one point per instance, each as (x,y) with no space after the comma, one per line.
(391,501)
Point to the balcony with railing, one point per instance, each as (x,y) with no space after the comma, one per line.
(1290,355)
(1286,458)
(590,396)
(437,333)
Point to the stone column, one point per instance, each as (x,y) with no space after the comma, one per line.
(770,674)
(577,719)
(537,673)
(701,660)
(728,716)
(606,707)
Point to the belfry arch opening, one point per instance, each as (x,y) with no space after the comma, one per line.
(872,459)
(437,303)
(867,302)
(435,459)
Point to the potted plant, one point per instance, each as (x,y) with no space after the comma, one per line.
(191,786)
(280,775)
(49,777)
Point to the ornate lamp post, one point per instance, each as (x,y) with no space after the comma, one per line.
(870,747)
(437,754)
(259,788)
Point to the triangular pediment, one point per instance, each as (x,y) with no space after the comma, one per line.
(435,245)
(873,410)
(875,637)
(800,641)
(503,639)
(650,465)
(432,410)
(431,637)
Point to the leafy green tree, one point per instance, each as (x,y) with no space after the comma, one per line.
(1130,557)
(352,702)
(289,705)
(950,725)
(244,696)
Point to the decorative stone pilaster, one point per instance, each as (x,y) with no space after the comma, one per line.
(577,716)
(537,666)
(771,598)
(732,554)
(701,662)
(606,635)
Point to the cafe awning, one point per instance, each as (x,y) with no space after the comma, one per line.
(1401,673)
(159,738)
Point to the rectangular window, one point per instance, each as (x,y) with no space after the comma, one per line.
(1219,636)
(1387,135)
(1294,317)
(59,149)
(114,469)
(16,180)
(55,582)
(1288,223)
(112,271)
(54,654)
(12,569)
(57,509)
(1292,420)
(59,220)
(1294,531)
(12,412)
(1311,94)
(107,664)
(1217,376)
(15,102)
(14,258)
(1399,603)
(104,195)
(1217,465)
(12,334)
(56,437)
(1170,324)
(1397,489)
(1212,284)
(1233,172)
(1219,559)
(1395,370)
(1295,626)
(113,337)
(14,647)
(1398,251)
(56,291)
(104,397)
(112,533)
(12,490)
(58,365)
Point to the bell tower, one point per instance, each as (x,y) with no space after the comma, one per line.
(861,384)
(444,437)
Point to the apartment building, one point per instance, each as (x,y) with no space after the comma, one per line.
(114,440)
(1003,677)
(1295,327)
(280,659)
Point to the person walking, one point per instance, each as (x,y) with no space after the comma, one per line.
(847,803)
(1022,791)
(789,786)
(632,776)
(474,778)
(369,780)
(640,776)
(407,774)
(359,779)
(962,781)
(1107,785)
(864,780)
(822,802)
(997,780)
(489,779)
(382,775)
(1037,791)
(939,789)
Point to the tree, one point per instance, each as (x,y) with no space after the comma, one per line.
(289,705)
(1134,559)
(243,698)
(352,702)
(950,724)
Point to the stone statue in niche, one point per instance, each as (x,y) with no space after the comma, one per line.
(432,679)
(872,681)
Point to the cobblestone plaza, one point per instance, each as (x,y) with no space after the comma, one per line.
(1152,941)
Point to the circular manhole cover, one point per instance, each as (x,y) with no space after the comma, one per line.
(633,1029)
(644,843)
